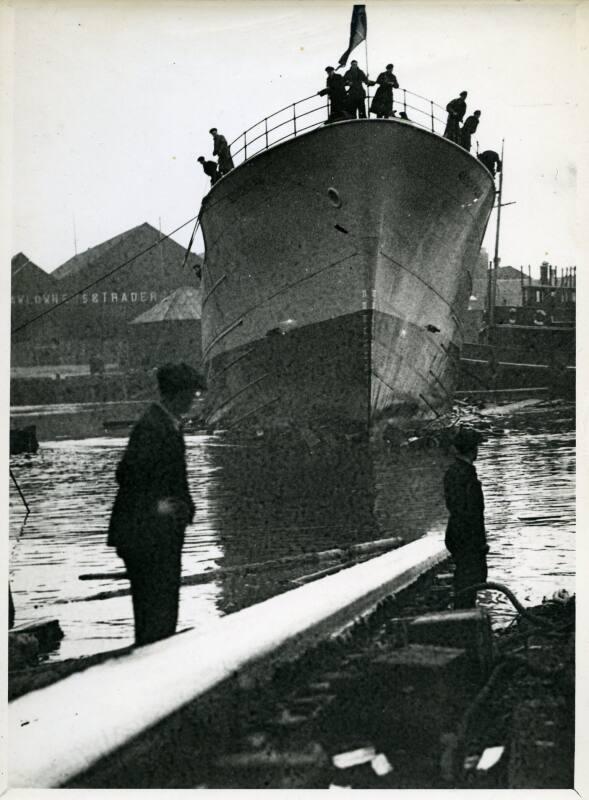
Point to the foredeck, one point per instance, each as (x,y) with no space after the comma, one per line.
(313,112)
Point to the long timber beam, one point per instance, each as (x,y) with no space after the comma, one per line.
(57,733)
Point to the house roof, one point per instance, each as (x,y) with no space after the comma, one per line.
(509,274)
(183,304)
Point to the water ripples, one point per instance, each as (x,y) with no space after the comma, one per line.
(243,515)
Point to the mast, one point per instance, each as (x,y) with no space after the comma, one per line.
(496,259)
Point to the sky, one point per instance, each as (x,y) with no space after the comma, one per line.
(112,103)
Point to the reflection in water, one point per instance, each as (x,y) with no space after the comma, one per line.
(255,504)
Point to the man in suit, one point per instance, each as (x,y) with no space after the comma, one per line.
(465,533)
(153,505)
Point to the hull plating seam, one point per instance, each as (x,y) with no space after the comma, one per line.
(236,360)
(253,411)
(425,283)
(267,299)
(217,283)
(222,335)
(439,382)
(242,390)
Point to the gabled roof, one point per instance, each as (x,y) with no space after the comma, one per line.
(21,262)
(104,257)
(27,276)
(183,304)
(82,260)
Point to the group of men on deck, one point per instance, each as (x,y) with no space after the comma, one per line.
(463,135)
(456,110)
(347,98)
(347,95)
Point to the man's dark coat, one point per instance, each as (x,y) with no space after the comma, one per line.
(335,87)
(456,110)
(382,103)
(152,468)
(469,127)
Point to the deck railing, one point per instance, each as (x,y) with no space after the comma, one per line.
(313,111)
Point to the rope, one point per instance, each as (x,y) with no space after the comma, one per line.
(106,275)
(188,249)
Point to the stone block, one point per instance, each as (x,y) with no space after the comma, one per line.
(467,629)
(414,690)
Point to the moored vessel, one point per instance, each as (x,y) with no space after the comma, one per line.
(337,273)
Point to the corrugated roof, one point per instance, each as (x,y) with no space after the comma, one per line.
(183,304)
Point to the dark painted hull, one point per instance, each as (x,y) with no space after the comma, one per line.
(336,276)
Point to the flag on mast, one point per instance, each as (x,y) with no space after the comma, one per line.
(358,31)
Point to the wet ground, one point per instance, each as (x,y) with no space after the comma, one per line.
(253,507)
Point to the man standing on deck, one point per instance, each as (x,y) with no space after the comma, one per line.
(335,88)
(470,125)
(382,104)
(222,151)
(354,78)
(456,110)
(153,505)
(465,533)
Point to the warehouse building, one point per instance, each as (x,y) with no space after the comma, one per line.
(81,313)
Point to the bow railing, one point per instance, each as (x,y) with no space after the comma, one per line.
(311,112)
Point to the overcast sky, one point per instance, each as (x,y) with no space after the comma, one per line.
(113,102)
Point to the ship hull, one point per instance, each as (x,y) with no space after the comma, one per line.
(336,275)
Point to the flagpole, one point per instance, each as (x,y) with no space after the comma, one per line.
(367,85)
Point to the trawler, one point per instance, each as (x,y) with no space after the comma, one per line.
(337,271)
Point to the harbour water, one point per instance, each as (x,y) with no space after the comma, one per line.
(245,514)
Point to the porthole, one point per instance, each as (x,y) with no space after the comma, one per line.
(334,197)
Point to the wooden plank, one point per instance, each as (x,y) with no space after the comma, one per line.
(59,732)
(340,553)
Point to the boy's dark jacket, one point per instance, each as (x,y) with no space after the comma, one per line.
(465,532)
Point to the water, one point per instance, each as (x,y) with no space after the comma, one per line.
(250,508)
